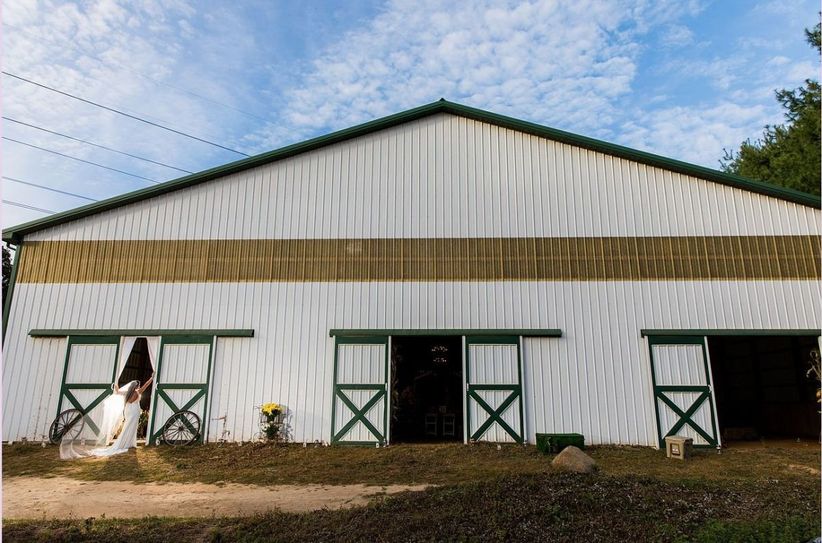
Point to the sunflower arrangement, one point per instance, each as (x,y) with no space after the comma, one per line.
(272,413)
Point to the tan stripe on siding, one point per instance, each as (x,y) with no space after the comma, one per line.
(461,259)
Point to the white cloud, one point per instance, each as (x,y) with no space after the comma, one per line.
(697,133)
(561,63)
(218,71)
(677,36)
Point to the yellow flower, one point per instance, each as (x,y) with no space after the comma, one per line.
(270,408)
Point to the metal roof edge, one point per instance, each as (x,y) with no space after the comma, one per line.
(16,233)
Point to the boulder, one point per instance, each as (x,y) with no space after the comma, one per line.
(573,459)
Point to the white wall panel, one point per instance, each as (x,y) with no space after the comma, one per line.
(493,365)
(594,380)
(679,365)
(447,176)
(184,364)
(361,364)
(91,363)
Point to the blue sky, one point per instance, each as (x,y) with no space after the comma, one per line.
(682,78)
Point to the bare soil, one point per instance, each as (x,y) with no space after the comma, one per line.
(61,497)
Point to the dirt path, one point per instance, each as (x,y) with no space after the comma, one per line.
(60,497)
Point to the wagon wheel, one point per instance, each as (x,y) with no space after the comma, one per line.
(68,424)
(181,428)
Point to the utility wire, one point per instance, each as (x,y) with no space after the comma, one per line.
(122,66)
(95,144)
(48,188)
(123,113)
(26,206)
(79,159)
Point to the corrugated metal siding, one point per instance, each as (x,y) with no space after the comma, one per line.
(447,176)
(679,365)
(31,386)
(361,364)
(595,379)
(91,363)
(185,364)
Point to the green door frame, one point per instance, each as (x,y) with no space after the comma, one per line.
(705,393)
(359,415)
(160,388)
(105,388)
(514,391)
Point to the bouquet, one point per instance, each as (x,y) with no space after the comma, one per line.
(273,419)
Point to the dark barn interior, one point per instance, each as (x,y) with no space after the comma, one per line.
(138,367)
(426,388)
(762,388)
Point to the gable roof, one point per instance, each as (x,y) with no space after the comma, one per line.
(15,234)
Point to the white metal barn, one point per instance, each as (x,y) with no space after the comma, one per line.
(442,273)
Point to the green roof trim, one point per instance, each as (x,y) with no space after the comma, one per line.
(158,332)
(729,332)
(371,332)
(15,234)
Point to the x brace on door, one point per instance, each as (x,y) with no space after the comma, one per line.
(495,415)
(161,393)
(359,415)
(685,417)
(106,391)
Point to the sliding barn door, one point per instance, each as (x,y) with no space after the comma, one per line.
(682,389)
(90,370)
(182,381)
(360,402)
(493,375)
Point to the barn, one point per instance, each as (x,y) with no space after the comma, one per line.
(444,273)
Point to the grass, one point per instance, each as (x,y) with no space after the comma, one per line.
(264,464)
(554,507)
(484,493)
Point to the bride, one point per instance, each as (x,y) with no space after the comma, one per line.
(123,404)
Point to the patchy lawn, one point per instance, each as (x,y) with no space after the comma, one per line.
(264,464)
(553,507)
(485,493)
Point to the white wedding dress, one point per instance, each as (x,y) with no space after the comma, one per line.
(100,424)
(128,436)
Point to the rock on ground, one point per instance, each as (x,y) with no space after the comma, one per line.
(574,460)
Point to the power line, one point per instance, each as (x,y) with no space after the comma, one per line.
(123,113)
(95,144)
(122,66)
(79,159)
(48,188)
(26,206)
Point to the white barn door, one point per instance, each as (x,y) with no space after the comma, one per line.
(90,370)
(493,376)
(682,389)
(360,404)
(182,381)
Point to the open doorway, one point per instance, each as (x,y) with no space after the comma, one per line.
(762,389)
(138,368)
(426,389)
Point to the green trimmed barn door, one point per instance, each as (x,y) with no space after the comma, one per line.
(360,403)
(493,375)
(682,389)
(90,370)
(182,379)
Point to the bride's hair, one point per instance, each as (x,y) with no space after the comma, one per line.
(132,386)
